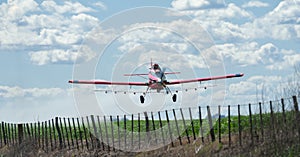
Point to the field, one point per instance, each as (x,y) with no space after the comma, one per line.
(258,129)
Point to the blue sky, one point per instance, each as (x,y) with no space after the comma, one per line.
(41,40)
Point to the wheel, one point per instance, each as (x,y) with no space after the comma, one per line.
(142,99)
(174,97)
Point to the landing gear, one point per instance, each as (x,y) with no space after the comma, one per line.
(174,97)
(142,99)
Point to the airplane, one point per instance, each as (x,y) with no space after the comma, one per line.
(156,81)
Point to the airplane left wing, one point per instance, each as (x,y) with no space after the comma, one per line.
(204,79)
(108,82)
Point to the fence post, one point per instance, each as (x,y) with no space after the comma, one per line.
(66,130)
(169,127)
(54,136)
(132,131)
(62,133)
(80,133)
(8,134)
(43,135)
(20,132)
(161,128)
(112,133)
(85,136)
(153,126)
(273,134)
(297,115)
(50,135)
(147,128)
(192,123)
(177,129)
(125,132)
(58,132)
(219,122)
(70,129)
(261,122)
(101,134)
(201,127)
(75,133)
(106,133)
(119,140)
(95,130)
(251,124)
(239,123)
(184,125)
(229,127)
(212,133)
(139,130)
(90,132)
(46,136)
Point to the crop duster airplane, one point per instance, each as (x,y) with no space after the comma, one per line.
(156,81)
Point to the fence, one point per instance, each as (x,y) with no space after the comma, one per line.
(230,125)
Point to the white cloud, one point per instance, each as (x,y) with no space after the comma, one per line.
(25,23)
(189,4)
(18,92)
(280,23)
(267,55)
(67,7)
(58,56)
(101,5)
(255,4)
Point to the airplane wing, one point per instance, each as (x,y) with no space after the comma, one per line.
(108,82)
(204,79)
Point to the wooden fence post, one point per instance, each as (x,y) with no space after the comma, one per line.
(153,126)
(50,135)
(62,133)
(125,132)
(119,137)
(112,132)
(229,127)
(85,135)
(177,129)
(261,122)
(28,131)
(211,128)
(297,118)
(147,128)
(8,133)
(169,127)
(239,123)
(184,125)
(139,130)
(43,136)
(89,131)
(201,127)
(273,133)
(192,123)
(106,133)
(101,134)
(132,123)
(80,133)
(54,136)
(161,127)
(75,132)
(58,132)
(20,132)
(66,130)
(251,124)
(46,136)
(219,122)
(95,131)
(71,135)
(38,134)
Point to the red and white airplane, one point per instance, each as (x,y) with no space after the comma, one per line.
(157,81)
